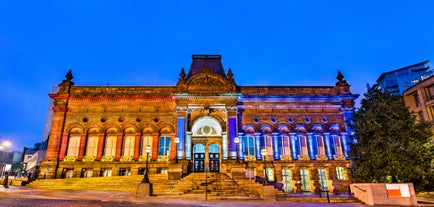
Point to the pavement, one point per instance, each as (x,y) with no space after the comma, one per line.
(36,197)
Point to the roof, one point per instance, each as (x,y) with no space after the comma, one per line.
(423,63)
(213,62)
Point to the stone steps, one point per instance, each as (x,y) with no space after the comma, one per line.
(214,184)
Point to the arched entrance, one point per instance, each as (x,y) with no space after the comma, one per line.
(207,141)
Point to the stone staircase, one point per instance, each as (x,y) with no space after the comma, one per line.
(196,184)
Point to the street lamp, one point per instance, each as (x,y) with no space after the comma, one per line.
(264,153)
(237,141)
(146,178)
(176,149)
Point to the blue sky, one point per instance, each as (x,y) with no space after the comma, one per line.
(284,42)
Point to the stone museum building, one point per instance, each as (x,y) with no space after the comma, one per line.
(294,136)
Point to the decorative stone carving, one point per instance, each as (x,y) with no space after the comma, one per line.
(181,108)
(107,159)
(232,108)
(70,159)
(340,157)
(286,158)
(163,159)
(142,158)
(88,158)
(322,158)
(304,158)
(126,158)
(250,158)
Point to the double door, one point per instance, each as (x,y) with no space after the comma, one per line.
(200,162)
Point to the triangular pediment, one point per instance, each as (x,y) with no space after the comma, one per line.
(206,79)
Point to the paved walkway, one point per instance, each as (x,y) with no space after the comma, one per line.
(34,197)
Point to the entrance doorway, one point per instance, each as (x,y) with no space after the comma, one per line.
(214,158)
(200,160)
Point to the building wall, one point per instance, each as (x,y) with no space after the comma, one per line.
(420,99)
(103,131)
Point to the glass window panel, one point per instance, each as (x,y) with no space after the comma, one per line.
(129,145)
(73,145)
(110,145)
(92,145)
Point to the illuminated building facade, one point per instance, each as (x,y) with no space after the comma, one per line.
(302,130)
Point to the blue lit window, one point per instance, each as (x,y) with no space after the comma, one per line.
(248,146)
(164,146)
(283,144)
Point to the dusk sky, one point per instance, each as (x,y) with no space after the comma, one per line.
(291,43)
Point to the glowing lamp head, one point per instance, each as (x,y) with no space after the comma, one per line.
(148,149)
(236,140)
(264,152)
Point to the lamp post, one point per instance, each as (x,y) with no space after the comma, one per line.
(237,141)
(146,178)
(176,149)
(264,153)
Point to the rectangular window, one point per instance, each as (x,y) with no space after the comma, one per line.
(431,111)
(305,181)
(429,91)
(320,145)
(164,146)
(162,170)
(303,145)
(248,145)
(270,174)
(416,99)
(251,173)
(287,179)
(110,145)
(92,145)
(340,173)
(73,145)
(124,172)
(105,172)
(268,140)
(322,178)
(286,146)
(129,145)
(336,146)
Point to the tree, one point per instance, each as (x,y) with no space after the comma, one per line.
(390,145)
